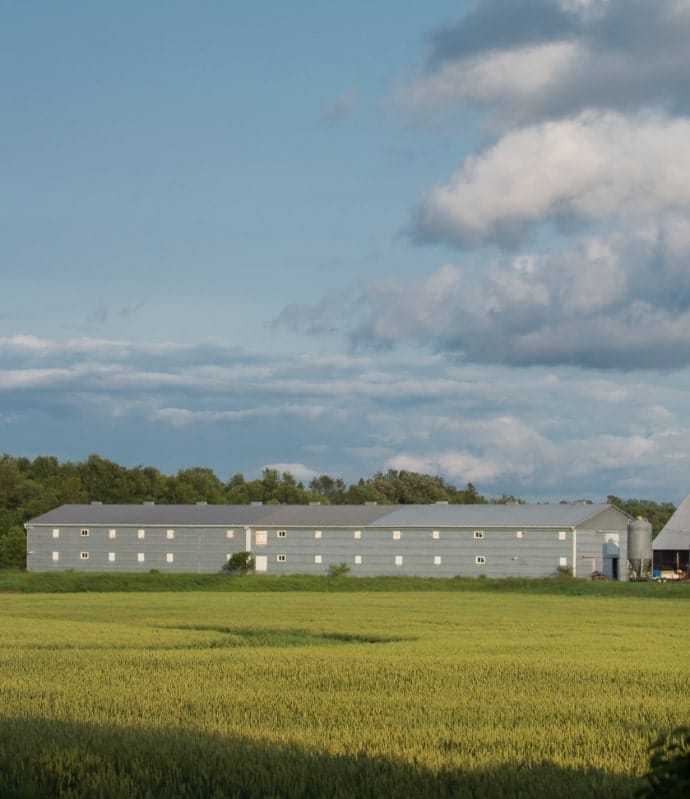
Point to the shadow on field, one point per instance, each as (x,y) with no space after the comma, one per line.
(45,759)
(242,636)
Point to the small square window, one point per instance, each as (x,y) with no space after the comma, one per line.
(358,534)
(169,557)
(84,555)
(318,559)
(282,533)
(56,556)
(141,534)
(396,535)
(56,532)
(398,560)
(479,534)
(358,560)
(480,560)
(281,558)
(437,560)
(170,534)
(563,561)
(317,534)
(229,533)
(562,536)
(261,538)
(112,533)
(141,557)
(436,534)
(111,557)
(84,531)
(519,534)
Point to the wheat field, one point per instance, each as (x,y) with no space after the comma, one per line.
(473,694)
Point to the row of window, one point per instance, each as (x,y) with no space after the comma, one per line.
(112,557)
(480,560)
(141,533)
(261,536)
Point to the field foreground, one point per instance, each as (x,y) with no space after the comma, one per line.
(336,694)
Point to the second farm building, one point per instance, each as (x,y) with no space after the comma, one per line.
(440,540)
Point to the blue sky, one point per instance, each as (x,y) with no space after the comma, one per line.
(342,239)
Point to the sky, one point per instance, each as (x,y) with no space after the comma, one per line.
(450,238)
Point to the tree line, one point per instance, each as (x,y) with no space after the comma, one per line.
(29,488)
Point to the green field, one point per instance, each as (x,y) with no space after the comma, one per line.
(443,693)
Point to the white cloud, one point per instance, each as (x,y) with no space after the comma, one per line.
(508,76)
(298,470)
(594,167)
(544,59)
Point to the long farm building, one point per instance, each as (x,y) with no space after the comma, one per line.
(439,540)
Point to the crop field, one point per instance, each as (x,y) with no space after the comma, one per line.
(307,694)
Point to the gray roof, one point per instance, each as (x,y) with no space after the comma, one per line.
(150,514)
(675,534)
(439,515)
(323,515)
(490,515)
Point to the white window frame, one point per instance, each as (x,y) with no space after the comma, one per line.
(397,535)
(318,559)
(56,556)
(141,557)
(281,557)
(112,533)
(358,560)
(478,535)
(438,560)
(399,560)
(261,538)
(480,560)
(141,533)
(56,532)
(562,535)
(519,534)
(83,556)
(229,533)
(84,531)
(170,535)
(357,535)
(112,557)
(563,561)
(281,533)
(436,535)
(169,557)
(317,534)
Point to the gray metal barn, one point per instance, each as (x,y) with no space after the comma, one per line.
(672,545)
(438,540)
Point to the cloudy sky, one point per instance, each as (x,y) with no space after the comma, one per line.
(340,238)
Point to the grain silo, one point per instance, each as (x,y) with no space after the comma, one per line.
(639,548)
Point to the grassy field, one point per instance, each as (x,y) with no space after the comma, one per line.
(435,693)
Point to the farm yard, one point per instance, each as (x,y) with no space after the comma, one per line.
(390,693)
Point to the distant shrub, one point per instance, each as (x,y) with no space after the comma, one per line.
(154,571)
(240,563)
(669,767)
(564,572)
(338,569)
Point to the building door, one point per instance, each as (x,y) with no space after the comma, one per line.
(614,568)
(261,563)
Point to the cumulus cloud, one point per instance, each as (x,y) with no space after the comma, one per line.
(537,59)
(298,470)
(619,301)
(595,167)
